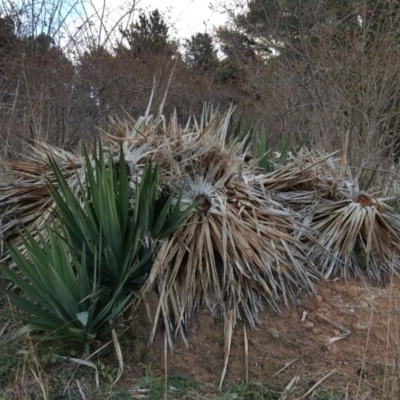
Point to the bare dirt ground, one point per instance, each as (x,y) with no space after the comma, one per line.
(350,330)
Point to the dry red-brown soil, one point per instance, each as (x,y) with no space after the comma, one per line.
(350,330)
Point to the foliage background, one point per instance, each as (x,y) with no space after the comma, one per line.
(329,69)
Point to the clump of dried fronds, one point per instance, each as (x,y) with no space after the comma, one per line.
(254,235)
(309,171)
(25,202)
(344,229)
(355,232)
(237,247)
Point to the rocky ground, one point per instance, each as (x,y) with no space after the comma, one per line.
(347,334)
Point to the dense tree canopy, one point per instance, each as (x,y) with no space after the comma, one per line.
(282,26)
(8,38)
(150,34)
(200,51)
(274,26)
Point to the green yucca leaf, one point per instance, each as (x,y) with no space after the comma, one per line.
(178,216)
(241,132)
(303,142)
(83,317)
(123,188)
(163,215)
(102,218)
(79,276)
(58,299)
(33,309)
(285,148)
(263,151)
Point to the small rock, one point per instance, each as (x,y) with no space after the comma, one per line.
(318,298)
(351,310)
(337,299)
(363,304)
(308,324)
(361,325)
(274,333)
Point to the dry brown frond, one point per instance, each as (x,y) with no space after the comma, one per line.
(253,236)
(351,231)
(25,203)
(307,172)
(355,233)
(237,247)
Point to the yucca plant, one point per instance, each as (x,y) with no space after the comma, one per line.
(118,221)
(237,249)
(355,232)
(257,145)
(79,275)
(60,299)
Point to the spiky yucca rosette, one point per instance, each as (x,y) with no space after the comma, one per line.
(25,201)
(237,247)
(344,229)
(355,232)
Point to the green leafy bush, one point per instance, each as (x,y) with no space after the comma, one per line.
(124,231)
(59,299)
(77,278)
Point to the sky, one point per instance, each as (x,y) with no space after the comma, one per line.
(184,17)
(188,17)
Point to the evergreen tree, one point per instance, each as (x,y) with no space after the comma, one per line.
(279,26)
(150,34)
(8,37)
(200,51)
(40,44)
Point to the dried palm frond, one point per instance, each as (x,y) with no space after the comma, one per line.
(344,229)
(307,172)
(237,247)
(355,232)
(298,186)
(25,203)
